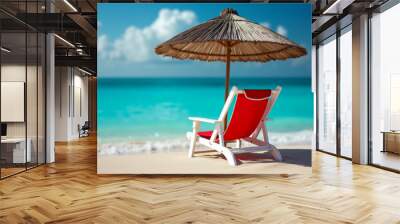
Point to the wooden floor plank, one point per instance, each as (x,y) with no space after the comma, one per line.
(70,191)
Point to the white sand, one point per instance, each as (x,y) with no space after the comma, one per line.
(206,162)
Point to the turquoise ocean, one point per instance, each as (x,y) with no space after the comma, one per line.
(157,109)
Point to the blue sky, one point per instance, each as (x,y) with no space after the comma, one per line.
(128,34)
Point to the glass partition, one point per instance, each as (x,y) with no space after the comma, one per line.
(22,77)
(14,153)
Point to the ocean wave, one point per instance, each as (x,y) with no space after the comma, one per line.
(143,147)
(291,138)
(178,144)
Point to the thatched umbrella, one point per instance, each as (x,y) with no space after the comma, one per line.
(227,38)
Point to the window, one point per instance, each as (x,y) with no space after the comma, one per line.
(385,89)
(327,95)
(346,92)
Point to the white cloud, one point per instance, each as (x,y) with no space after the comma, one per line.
(132,46)
(281,30)
(137,44)
(169,22)
(102,43)
(266,24)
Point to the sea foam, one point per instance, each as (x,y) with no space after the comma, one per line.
(178,144)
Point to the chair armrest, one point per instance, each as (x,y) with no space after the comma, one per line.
(206,120)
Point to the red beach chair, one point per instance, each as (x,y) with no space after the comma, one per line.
(248,120)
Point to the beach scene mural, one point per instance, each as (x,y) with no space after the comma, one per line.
(147,91)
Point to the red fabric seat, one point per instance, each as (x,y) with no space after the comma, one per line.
(205,134)
(248,112)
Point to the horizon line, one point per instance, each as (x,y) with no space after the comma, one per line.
(267,77)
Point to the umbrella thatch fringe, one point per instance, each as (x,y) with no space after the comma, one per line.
(248,41)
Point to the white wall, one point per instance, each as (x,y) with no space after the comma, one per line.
(62,82)
(70,84)
(17,73)
(14,72)
(79,110)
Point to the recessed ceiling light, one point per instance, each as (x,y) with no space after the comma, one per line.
(64,40)
(70,5)
(84,71)
(5,50)
(337,7)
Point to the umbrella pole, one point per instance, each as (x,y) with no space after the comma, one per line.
(228,70)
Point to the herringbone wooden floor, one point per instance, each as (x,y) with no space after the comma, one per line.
(70,191)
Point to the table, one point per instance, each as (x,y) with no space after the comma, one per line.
(391,141)
(19,155)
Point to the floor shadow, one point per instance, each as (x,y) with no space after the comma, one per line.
(297,156)
(291,156)
(300,157)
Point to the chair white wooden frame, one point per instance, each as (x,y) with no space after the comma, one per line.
(220,145)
